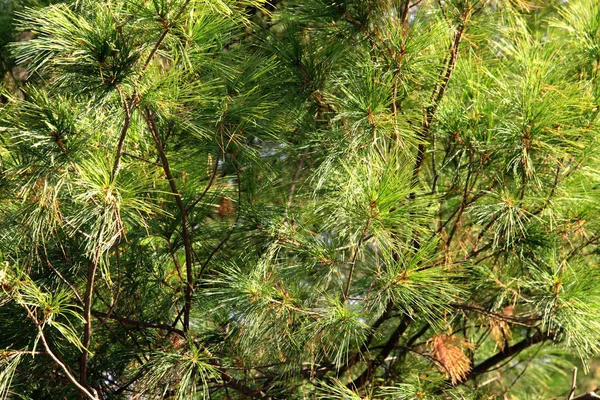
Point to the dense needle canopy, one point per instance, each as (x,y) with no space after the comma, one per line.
(299,199)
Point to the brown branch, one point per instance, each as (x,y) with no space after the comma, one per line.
(58,141)
(527,364)
(133,101)
(149,117)
(211,180)
(162,36)
(112,306)
(238,386)
(156,45)
(408,347)
(416,3)
(175,260)
(464,201)
(91,394)
(104,324)
(128,109)
(438,95)
(552,191)
(217,248)
(231,229)
(404,16)
(220,152)
(126,154)
(124,387)
(87,330)
(133,322)
(573,384)
(588,242)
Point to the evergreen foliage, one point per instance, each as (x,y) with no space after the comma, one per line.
(357,199)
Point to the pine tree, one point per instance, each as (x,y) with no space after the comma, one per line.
(357,199)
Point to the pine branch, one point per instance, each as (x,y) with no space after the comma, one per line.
(175,260)
(118,338)
(91,393)
(243,389)
(527,364)
(220,152)
(527,322)
(385,316)
(391,343)
(408,347)
(111,307)
(149,117)
(143,324)
(511,351)
(211,180)
(61,277)
(230,231)
(124,387)
(87,314)
(573,384)
(354,257)
(464,201)
(438,94)
(163,35)
(128,107)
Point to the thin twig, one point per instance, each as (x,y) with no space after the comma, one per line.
(211,180)
(502,317)
(162,36)
(143,324)
(354,256)
(534,355)
(294,181)
(220,152)
(112,306)
(573,384)
(55,358)
(438,94)
(149,117)
(62,278)
(87,331)
(128,107)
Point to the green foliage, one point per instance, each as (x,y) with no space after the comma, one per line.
(358,199)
